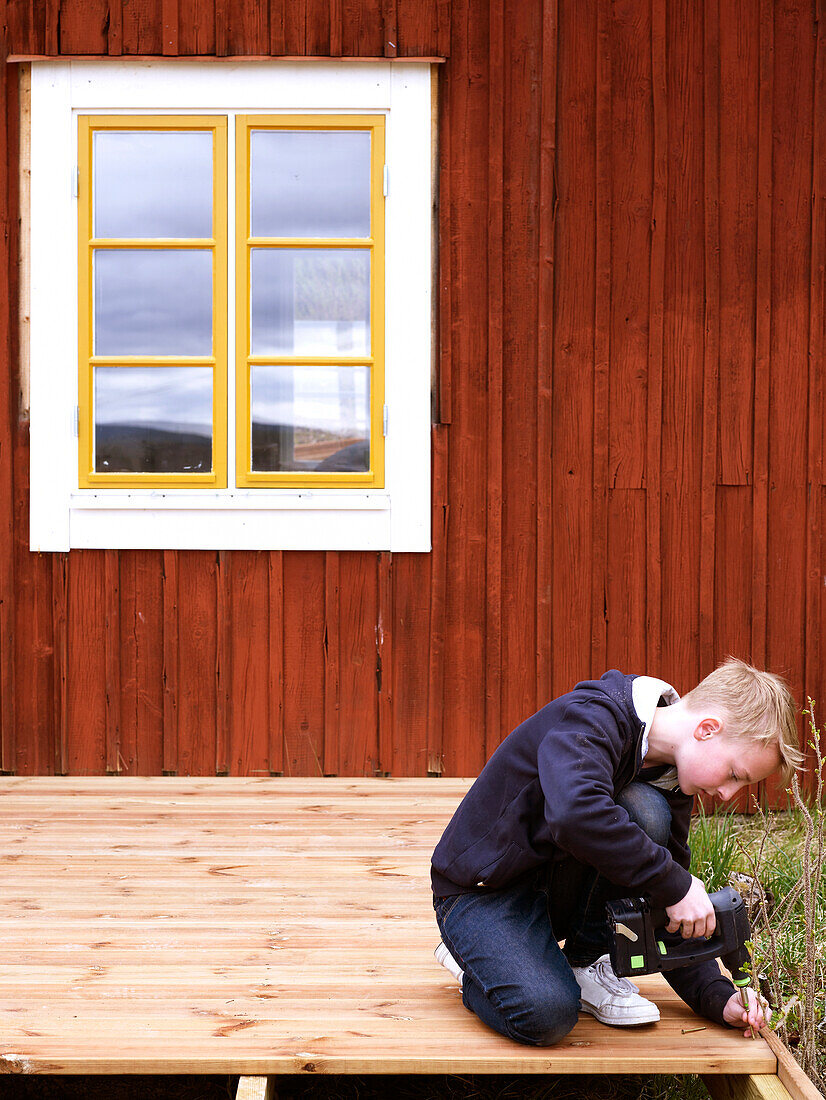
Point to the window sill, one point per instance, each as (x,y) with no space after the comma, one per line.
(230,500)
(292,521)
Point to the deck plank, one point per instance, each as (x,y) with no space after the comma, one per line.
(262,926)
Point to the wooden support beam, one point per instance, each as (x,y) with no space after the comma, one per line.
(791,1075)
(255,1088)
(745,1086)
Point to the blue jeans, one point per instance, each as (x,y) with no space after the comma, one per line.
(517,978)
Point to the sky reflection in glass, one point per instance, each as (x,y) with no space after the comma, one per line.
(310,301)
(153,301)
(310,183)
(310,418)
(152,183)
(153,419)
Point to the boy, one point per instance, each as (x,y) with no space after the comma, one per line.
(590,799)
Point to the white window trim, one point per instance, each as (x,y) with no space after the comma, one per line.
(61,515)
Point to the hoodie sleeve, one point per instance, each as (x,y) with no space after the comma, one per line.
(577,761)
(702,986)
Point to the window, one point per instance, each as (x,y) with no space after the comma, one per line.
(152,301)
(242,261)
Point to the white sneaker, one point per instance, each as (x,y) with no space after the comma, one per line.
(613,1000)
(448,962)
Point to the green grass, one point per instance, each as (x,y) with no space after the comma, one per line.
(771,848)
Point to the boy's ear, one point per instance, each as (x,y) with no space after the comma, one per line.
(707,727)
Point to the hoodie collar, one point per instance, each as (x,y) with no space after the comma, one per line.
(646,692)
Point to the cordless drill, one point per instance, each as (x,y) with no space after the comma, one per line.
(639,944)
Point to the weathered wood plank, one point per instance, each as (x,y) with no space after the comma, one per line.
(624,603)
(411,666)
(303,663)
(86,686)
(142,25)
(255,1088)
(763,295)
(464,697)
(573,349)
(248,689)
(275,664)
(628,156)
(683,338)
(438,585)
(113,648)
(711,343)
(656,321)
(545,342)
(495,599)
(813,673)
(9,136)
(602,334)
(739,57)
(521,74)
(789,374)
(196,27)
(197,658)
(789,1072)
(746,1087)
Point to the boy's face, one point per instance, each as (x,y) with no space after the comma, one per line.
(715,764)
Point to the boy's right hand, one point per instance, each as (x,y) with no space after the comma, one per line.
(693,916)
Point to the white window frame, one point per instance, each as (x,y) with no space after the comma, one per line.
(62,516)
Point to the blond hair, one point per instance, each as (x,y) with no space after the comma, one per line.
(758,707)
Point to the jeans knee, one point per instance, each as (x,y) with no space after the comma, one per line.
(648,808)
(545,1019)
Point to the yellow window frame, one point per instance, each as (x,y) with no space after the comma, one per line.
(88,477)
(245,242)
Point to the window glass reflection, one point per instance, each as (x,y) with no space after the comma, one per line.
(152,183)
(310,301)
(153,301)
(310,183)
(311,418)
(153,420)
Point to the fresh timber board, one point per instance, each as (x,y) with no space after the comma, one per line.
(262,927)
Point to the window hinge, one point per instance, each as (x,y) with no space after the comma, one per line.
(384,420)
(76,421)
(75,180)
(386,185)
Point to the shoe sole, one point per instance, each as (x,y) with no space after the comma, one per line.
(627,1021)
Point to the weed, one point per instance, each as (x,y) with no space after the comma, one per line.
(784,858)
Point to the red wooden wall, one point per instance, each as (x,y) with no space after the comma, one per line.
(628,449)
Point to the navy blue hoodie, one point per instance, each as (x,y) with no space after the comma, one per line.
(550,791)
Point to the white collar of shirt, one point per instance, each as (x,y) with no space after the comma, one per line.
(646,692)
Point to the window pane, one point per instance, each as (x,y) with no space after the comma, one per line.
(311,418)
(153,301)
(310,301)
(152,184)
(310,183)
(153,419)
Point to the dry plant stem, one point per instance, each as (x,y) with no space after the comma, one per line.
(755,866)
(806,1048)
(812,875)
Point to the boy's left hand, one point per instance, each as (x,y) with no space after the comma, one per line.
(736,1015)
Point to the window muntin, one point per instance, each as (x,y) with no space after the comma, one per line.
(310,309)
(152,301)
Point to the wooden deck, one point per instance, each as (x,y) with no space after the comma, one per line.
(262,926)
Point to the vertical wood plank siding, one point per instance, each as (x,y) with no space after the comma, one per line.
(628,439)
